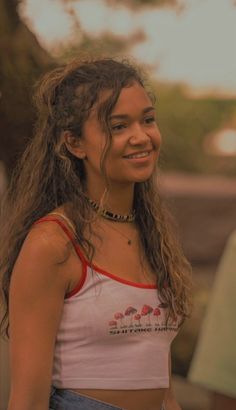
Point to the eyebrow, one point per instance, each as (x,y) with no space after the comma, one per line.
(123,116)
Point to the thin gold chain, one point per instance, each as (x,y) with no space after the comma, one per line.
(129,240)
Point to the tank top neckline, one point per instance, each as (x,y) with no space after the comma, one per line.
(86,264)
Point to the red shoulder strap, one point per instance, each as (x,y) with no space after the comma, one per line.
(68,232)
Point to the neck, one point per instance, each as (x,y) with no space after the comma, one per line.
(116,200)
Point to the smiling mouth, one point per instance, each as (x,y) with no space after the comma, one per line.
(138,155)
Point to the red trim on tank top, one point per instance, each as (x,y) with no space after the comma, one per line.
(77,288)
(67,232)
(122,280)
(86,264)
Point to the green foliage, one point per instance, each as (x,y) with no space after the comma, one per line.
(105,45)
(185,122)
(143,3)
(22,60)
(138,3)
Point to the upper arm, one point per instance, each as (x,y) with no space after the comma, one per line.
(37,289)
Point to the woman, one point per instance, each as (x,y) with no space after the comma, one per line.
(96,285)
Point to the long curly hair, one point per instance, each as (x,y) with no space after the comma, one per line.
(49,176)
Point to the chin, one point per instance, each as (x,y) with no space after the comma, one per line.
(141,178)
(138,180)
(133,178)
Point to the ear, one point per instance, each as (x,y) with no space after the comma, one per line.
(74,145)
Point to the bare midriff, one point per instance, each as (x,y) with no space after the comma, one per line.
(147,399)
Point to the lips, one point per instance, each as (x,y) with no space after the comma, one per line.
(135,155)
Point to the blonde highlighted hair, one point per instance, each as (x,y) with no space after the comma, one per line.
(48,176)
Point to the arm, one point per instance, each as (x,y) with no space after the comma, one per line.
(37,290)
(170,402)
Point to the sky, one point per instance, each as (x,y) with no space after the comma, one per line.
(195,46)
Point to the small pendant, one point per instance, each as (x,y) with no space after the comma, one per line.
(129,242)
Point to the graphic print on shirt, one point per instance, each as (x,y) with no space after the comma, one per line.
(147,319)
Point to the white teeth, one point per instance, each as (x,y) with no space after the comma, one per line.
(141,155)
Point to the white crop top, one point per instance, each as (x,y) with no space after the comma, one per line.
(112,334)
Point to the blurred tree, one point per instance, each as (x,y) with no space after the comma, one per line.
(144,3)
(138,3)
(106,45)
(22,60)
(185,122)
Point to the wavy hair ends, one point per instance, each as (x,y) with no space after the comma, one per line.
(48,176)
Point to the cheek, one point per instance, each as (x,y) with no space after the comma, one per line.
(116,148)
(157,139)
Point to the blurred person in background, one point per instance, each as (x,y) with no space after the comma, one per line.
(214,362)
(95,283)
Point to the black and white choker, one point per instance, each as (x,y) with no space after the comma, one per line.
(110,215)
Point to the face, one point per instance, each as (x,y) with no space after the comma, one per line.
(135,140)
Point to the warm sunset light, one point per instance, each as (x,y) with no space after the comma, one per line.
(195,46)
(222,143)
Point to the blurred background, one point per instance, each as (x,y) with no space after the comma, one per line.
(187,47)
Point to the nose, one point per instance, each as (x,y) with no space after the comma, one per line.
(138,135)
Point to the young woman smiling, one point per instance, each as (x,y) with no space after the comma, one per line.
(95,284)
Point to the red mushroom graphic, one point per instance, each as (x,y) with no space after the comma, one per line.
(130,311)
(157,313)
(119,316)
(137,317)
(113,324)
(146,311)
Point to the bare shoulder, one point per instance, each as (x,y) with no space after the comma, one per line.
(49,240)
(44,257)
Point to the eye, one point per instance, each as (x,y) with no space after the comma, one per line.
(118,127)
(149,120)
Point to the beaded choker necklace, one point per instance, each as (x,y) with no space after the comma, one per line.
(110,215)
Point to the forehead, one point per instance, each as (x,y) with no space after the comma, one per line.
(131,98)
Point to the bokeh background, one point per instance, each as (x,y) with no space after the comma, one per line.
(187,48)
